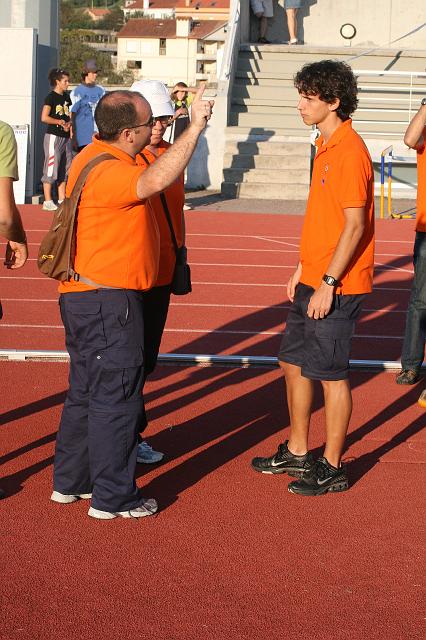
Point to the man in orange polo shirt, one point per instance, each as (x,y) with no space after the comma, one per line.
(334,274)
(117,259)
(413,349)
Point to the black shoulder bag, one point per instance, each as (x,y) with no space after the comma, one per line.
(181,282)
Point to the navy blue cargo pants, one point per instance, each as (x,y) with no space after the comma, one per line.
(97,438)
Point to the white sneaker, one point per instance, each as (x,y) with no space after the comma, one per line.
(63,498)
(147,455)
(148,507)
(49,205)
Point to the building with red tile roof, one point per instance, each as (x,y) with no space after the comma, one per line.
(96,13)
(171,50)
(195,9)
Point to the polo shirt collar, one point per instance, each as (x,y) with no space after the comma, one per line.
(105,147)
(337,136)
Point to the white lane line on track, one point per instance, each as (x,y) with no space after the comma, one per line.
(380,267)
(270,307)
(391,255)
(235,235)
(234,249)
(290,244)
(206,332)
(222,284)
(386,267)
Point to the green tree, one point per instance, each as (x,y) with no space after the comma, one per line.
(71,18)
(112,22)
(74,53)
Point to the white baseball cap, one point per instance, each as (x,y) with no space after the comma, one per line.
(157,95)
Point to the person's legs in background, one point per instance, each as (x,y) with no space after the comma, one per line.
(415,327)
(291,8)
(292,25)
(155,308)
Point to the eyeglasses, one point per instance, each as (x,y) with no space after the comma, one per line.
(148,123)
(164,120)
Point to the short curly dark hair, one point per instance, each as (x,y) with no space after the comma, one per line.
(329,79)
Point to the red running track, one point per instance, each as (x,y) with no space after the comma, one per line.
(231,553)
(240,264)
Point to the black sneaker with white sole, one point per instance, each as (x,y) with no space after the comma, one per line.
(284,462)
(320,478)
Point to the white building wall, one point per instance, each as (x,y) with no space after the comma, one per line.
(179,63)
(377,22)
(18,93)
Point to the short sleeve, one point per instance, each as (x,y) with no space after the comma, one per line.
(422,149)
(49,100)
(8,153)
(356,179)
(75,101)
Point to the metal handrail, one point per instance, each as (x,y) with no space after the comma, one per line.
(373,72)
(410,88)
(231,42)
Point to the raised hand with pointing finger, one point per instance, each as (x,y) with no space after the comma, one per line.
(201,110)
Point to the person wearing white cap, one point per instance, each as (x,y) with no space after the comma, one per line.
(156,300)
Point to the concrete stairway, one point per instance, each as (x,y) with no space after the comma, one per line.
(268,150)
(265,168)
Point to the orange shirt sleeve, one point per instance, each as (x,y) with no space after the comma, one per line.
(355,181)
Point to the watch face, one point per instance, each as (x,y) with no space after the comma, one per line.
(424,101)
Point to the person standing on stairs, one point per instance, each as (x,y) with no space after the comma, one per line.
(263,10)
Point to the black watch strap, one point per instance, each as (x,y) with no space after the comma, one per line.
(330,280)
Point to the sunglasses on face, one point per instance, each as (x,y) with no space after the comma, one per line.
(164,120)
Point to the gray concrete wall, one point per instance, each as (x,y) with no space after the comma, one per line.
(377,22)
(30,47)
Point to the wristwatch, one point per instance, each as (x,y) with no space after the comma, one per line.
(423,102)
(330,280)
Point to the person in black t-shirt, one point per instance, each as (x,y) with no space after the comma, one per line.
(57,143)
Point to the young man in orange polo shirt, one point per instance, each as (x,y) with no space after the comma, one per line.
(334,274)
(413,349)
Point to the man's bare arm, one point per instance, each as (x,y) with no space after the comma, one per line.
(46,119)
(414,135)
(11,226)
(164,171)
(321,301)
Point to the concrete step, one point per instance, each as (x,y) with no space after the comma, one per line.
(363,122)
(280,109)
(257,77)
(265,191)
(238,160)
(286,94)
(267,148)
(409,60)
(255,118)
(270,91)
(263,70)
(270,176)
(257,134)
